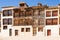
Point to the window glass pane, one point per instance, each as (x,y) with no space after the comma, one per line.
(28,13)
(22,14)
(10,21)
(55,21)
(21,21)
(59,31)
(5,13)
(28,21)
(5,21)
(27,29)
(10,12)
(54,13)
(16,22)
(41,21)
(48,21)
(48,32)
(4,27)
(16,32)
(10,32)
(22,29)
(48,13)
(16,14)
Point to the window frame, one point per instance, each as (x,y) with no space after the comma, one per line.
(16,32)
(55,13)
(7,13)
(22,29)
(27,29)
(49,34)
(48,14)
(4,27)
(52,21)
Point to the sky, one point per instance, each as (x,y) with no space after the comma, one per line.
(4,3)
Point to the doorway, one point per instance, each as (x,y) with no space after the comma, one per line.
(10,32)
(48,32)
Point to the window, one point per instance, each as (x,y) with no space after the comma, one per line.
(27,29)
(41,13)
(59,31)
(28,13)
(22,29)
(48,13)
(34,31)
(55,21)
(40,29)
(36,12)
(16,22)
(10,12)
(21,21)
(10,21)
(48,21)
(10,32)
(41,21)
(48,32)
(28,21)
(4,27)
(16,32)
(7,12)
(16,14)
(22,13)
(54,13)
(7,21)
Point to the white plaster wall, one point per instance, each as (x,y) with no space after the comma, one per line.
(21,34)
(54,30)
(5,32)
(9,8)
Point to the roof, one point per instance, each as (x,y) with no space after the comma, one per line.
(52,7)
(36,7)
(8,6)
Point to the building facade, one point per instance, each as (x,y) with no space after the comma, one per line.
(25,21)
